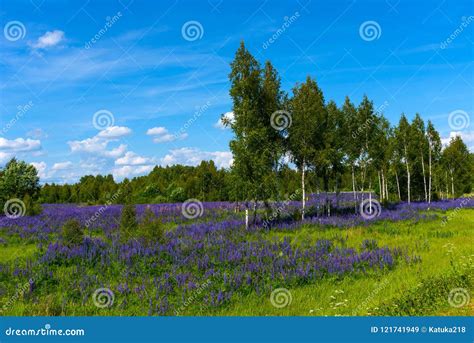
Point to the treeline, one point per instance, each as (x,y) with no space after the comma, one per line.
(164,184)
(288,142)
(328,143)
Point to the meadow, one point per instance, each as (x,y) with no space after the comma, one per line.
(402,259)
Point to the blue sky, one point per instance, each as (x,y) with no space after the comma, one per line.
(157,90)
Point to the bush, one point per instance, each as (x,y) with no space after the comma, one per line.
(151,230)
(128,222)
(72,233)
(32,207)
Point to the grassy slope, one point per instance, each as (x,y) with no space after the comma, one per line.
(439,248)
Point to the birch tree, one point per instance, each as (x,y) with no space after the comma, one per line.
(307,106)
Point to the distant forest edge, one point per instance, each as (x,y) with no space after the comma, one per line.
(283,144)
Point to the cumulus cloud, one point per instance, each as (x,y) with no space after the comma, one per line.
(41,168)
(466,136)
(10,148)
(226,117)
(194,156)
(127,171)
(98,145)
(132,159)
(162,135)
(49,39)
(156,131)
(62,165)
(19,145)
(114,132)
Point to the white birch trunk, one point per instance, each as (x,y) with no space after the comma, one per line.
(429,179)
(424,177)
(408,175)
(303,190)
(398,187)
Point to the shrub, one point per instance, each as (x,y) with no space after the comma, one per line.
(151,230)
(32,207)
(72,233)
(128,222)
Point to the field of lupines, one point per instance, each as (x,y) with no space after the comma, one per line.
(349,257)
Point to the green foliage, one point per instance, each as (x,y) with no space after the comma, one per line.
(128,223)
(430,294)
(72,233)
(32,207)
(177,194)
(458,165)
(256,145)
(18,179)
(151,229)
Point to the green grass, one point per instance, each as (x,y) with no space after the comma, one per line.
(446,252)
(447,262)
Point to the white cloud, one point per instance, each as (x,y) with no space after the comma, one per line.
(132,159)
(157,131)
(19,145)
(228,116)
(128,171)
(62,165)
(162,135)
(466,136)
(194,156)
(10,148)
(97,146)
(4,157)
(49,39)
(41,168)
(114,132)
